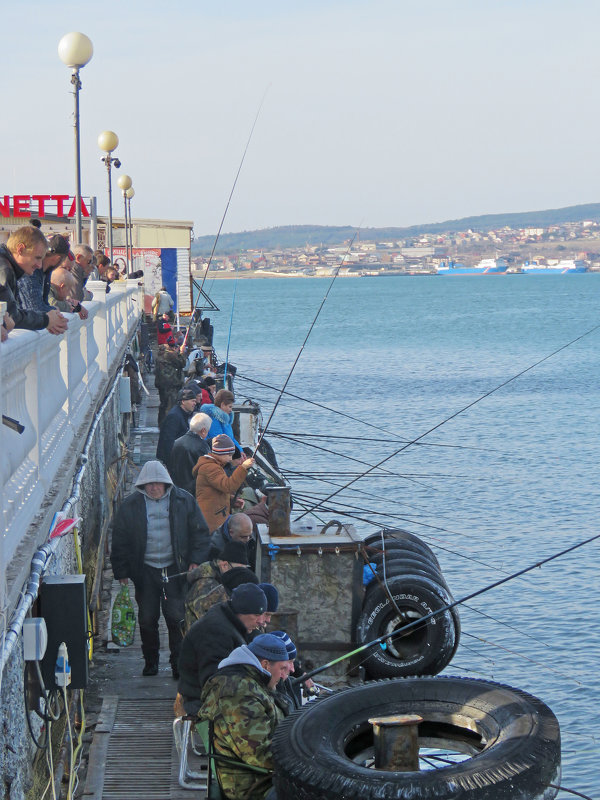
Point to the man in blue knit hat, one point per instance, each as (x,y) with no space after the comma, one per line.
(240,701)
(224,627)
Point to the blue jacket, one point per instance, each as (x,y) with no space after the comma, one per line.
(221,422)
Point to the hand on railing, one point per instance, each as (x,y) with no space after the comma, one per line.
(57,324)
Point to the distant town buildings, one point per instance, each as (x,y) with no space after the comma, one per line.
(421,254)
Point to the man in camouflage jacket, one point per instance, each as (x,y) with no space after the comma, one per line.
(241,703)
(213,581)
(168,377)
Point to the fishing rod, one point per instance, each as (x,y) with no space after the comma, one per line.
(312,325)
(237,175)
(405,629)
(461,411)
(229,334)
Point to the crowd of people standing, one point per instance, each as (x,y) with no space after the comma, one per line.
(187,540)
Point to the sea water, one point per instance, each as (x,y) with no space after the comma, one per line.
(505,469)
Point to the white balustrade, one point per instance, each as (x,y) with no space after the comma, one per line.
(49,384)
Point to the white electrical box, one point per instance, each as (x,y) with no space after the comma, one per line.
(35,639)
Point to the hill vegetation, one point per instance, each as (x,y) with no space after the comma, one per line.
(299,235)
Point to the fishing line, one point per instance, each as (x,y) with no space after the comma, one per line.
(312,325)
(404,629)
(569,791)
(358,419)
(212,252)
(359,461)
(465,408)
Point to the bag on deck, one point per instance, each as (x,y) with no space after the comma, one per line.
(123,618)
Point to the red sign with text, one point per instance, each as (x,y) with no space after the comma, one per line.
(38,205)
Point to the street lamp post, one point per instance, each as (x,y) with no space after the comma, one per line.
(129,194)
(125,183)
(75,50)
(109,141)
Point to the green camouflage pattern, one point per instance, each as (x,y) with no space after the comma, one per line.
(206,591)
(244,716)
(169,368)
(168,378)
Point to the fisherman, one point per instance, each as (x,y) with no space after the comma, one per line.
(236,528)
(223,628)
(158,532)
(214,581)
(162,304)
(186,451)
(213,487)
(168,377)
(164,332)
(241,702)
(221,414)
(175,424)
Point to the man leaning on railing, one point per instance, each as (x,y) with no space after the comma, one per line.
(22,255)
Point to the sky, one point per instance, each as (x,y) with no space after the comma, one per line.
(378,113)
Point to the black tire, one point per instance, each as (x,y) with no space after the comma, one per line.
(427,648)
(394,535)
(396,557)
(513,739)
(391,545)
(398,568)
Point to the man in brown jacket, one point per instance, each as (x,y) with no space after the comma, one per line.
(213,487)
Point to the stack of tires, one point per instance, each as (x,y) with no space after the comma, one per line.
(408,585)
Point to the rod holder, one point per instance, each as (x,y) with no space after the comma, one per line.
(396,742)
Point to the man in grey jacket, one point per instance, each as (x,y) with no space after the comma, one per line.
(159,532)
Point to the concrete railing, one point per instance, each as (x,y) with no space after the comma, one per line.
(50,384)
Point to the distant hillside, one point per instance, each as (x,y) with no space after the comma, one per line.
(299,235)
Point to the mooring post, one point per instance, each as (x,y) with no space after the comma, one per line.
(280,509)
(396,742)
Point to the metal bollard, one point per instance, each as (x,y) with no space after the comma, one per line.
(279,509)
(396,742)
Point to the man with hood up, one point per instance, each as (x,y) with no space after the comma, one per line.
(158,533)
(241,702)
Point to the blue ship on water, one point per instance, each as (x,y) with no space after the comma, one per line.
(487,266)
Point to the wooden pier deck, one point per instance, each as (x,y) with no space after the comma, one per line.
(132,753)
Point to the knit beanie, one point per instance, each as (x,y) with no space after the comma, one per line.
(234,552)
(268,646)
(272,596)
(222,445)
(248,599)
(289,645)
(236,576)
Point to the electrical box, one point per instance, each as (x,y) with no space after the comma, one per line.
(63,604)
(35,639)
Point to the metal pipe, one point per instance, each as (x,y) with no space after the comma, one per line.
(279,510)
(76,87)
(396,741)
(126,236)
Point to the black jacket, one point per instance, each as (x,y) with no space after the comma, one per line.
(174,425)
(189,534)
(10,272)
(208,641)
(184,455)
